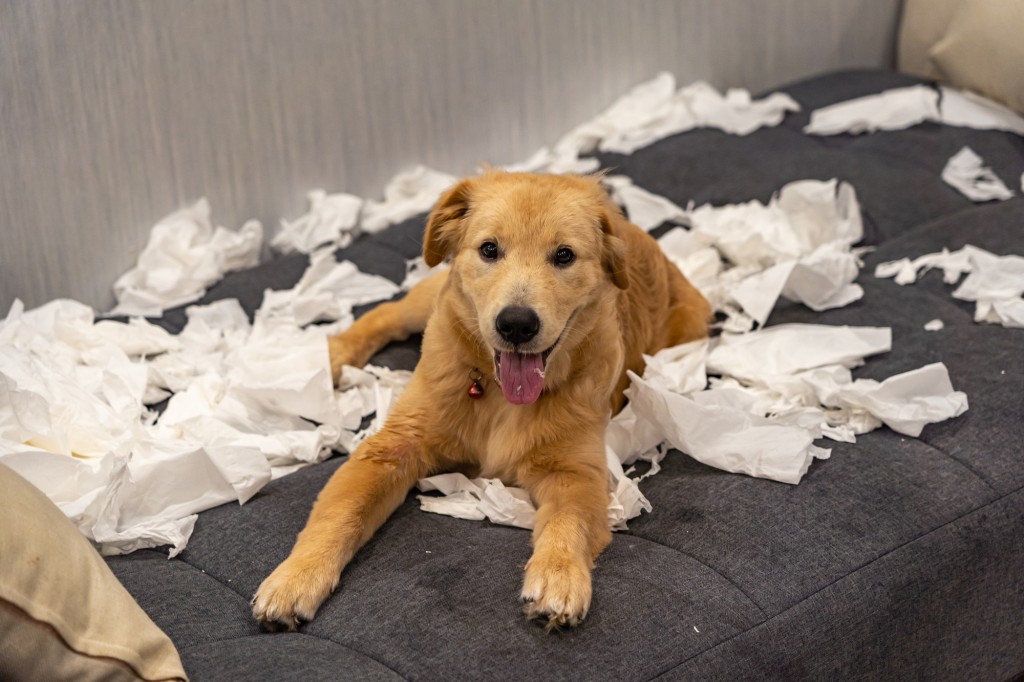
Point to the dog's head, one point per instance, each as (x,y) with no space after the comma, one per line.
(530,256)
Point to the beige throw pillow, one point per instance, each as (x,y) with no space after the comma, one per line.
(63,613)
(983,50)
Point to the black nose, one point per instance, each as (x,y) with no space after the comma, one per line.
(517,325)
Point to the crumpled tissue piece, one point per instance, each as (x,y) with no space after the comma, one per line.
(332,219)
(780,389)
(327,290)
(889,110)
(727,438)
(370,390)
(407,194)
(966,171)
(645,209)
(72,421)
(995,283)
(477,499)
(652,111)
(184,255)
(798,246)
(971,110)
(417,270)
(904,107)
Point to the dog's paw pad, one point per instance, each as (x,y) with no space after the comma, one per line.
(556,592)
(290,596)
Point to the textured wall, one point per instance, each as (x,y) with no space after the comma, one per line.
(115,112)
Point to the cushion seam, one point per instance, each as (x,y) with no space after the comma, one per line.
(304,634)
(705,565)
(836,581)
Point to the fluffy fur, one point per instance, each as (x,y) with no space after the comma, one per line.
(618,298)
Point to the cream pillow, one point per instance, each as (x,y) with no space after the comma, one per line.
(983,50)
(923,24)
(63,613)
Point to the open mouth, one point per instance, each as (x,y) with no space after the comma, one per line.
(521,375)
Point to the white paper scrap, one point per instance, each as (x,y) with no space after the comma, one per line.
(889,110)
(332,219)
(327,290)
(995,283)
(904,107)
(407,194)
(645,209)
(417,270)
(934,325)
(652,111)
(905,402)
(966,171)
(184,255)
(743,257)
(477,499)
(727,438)
(970,110)
(789,348)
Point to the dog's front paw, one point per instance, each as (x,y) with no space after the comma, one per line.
(556,590)
(292,594)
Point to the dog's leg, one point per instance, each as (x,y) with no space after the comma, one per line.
(570,531)
(392,321)
(357,500)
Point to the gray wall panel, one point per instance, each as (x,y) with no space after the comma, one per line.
(115,112)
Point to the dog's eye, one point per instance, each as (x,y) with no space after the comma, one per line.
(489,251)
(564,256)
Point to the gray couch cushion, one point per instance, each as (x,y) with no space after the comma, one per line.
(895,558)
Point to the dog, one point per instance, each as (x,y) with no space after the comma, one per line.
(551,295)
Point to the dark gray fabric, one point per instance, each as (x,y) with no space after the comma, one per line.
(897,558)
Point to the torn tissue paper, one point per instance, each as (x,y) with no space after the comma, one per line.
(247,403)
(652,111)
(328,290)
(904,107)
(967,173)
(184,255)
(644,209)
(332,219)
(409,193)
(743,257)
(995,283)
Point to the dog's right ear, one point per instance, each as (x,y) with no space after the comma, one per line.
(443,224)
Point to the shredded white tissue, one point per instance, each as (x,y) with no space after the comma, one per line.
(332,219)
(645,209)
(417,270)
(409,193)
(743,257)
(655,110)
(904,107)
(327,290)
(970,110)
(184,255)
(477,499)
(966,171)
(889,110)
(247,403)
(995,283)
(934,325)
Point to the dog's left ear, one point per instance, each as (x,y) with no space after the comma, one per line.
(613,249)
(443,223)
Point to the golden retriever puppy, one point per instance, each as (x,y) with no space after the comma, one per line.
(551,296)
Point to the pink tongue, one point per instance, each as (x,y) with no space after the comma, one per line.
(521,376)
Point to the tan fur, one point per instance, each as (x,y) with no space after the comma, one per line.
(619,299)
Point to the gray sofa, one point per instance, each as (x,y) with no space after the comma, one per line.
(897,558)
